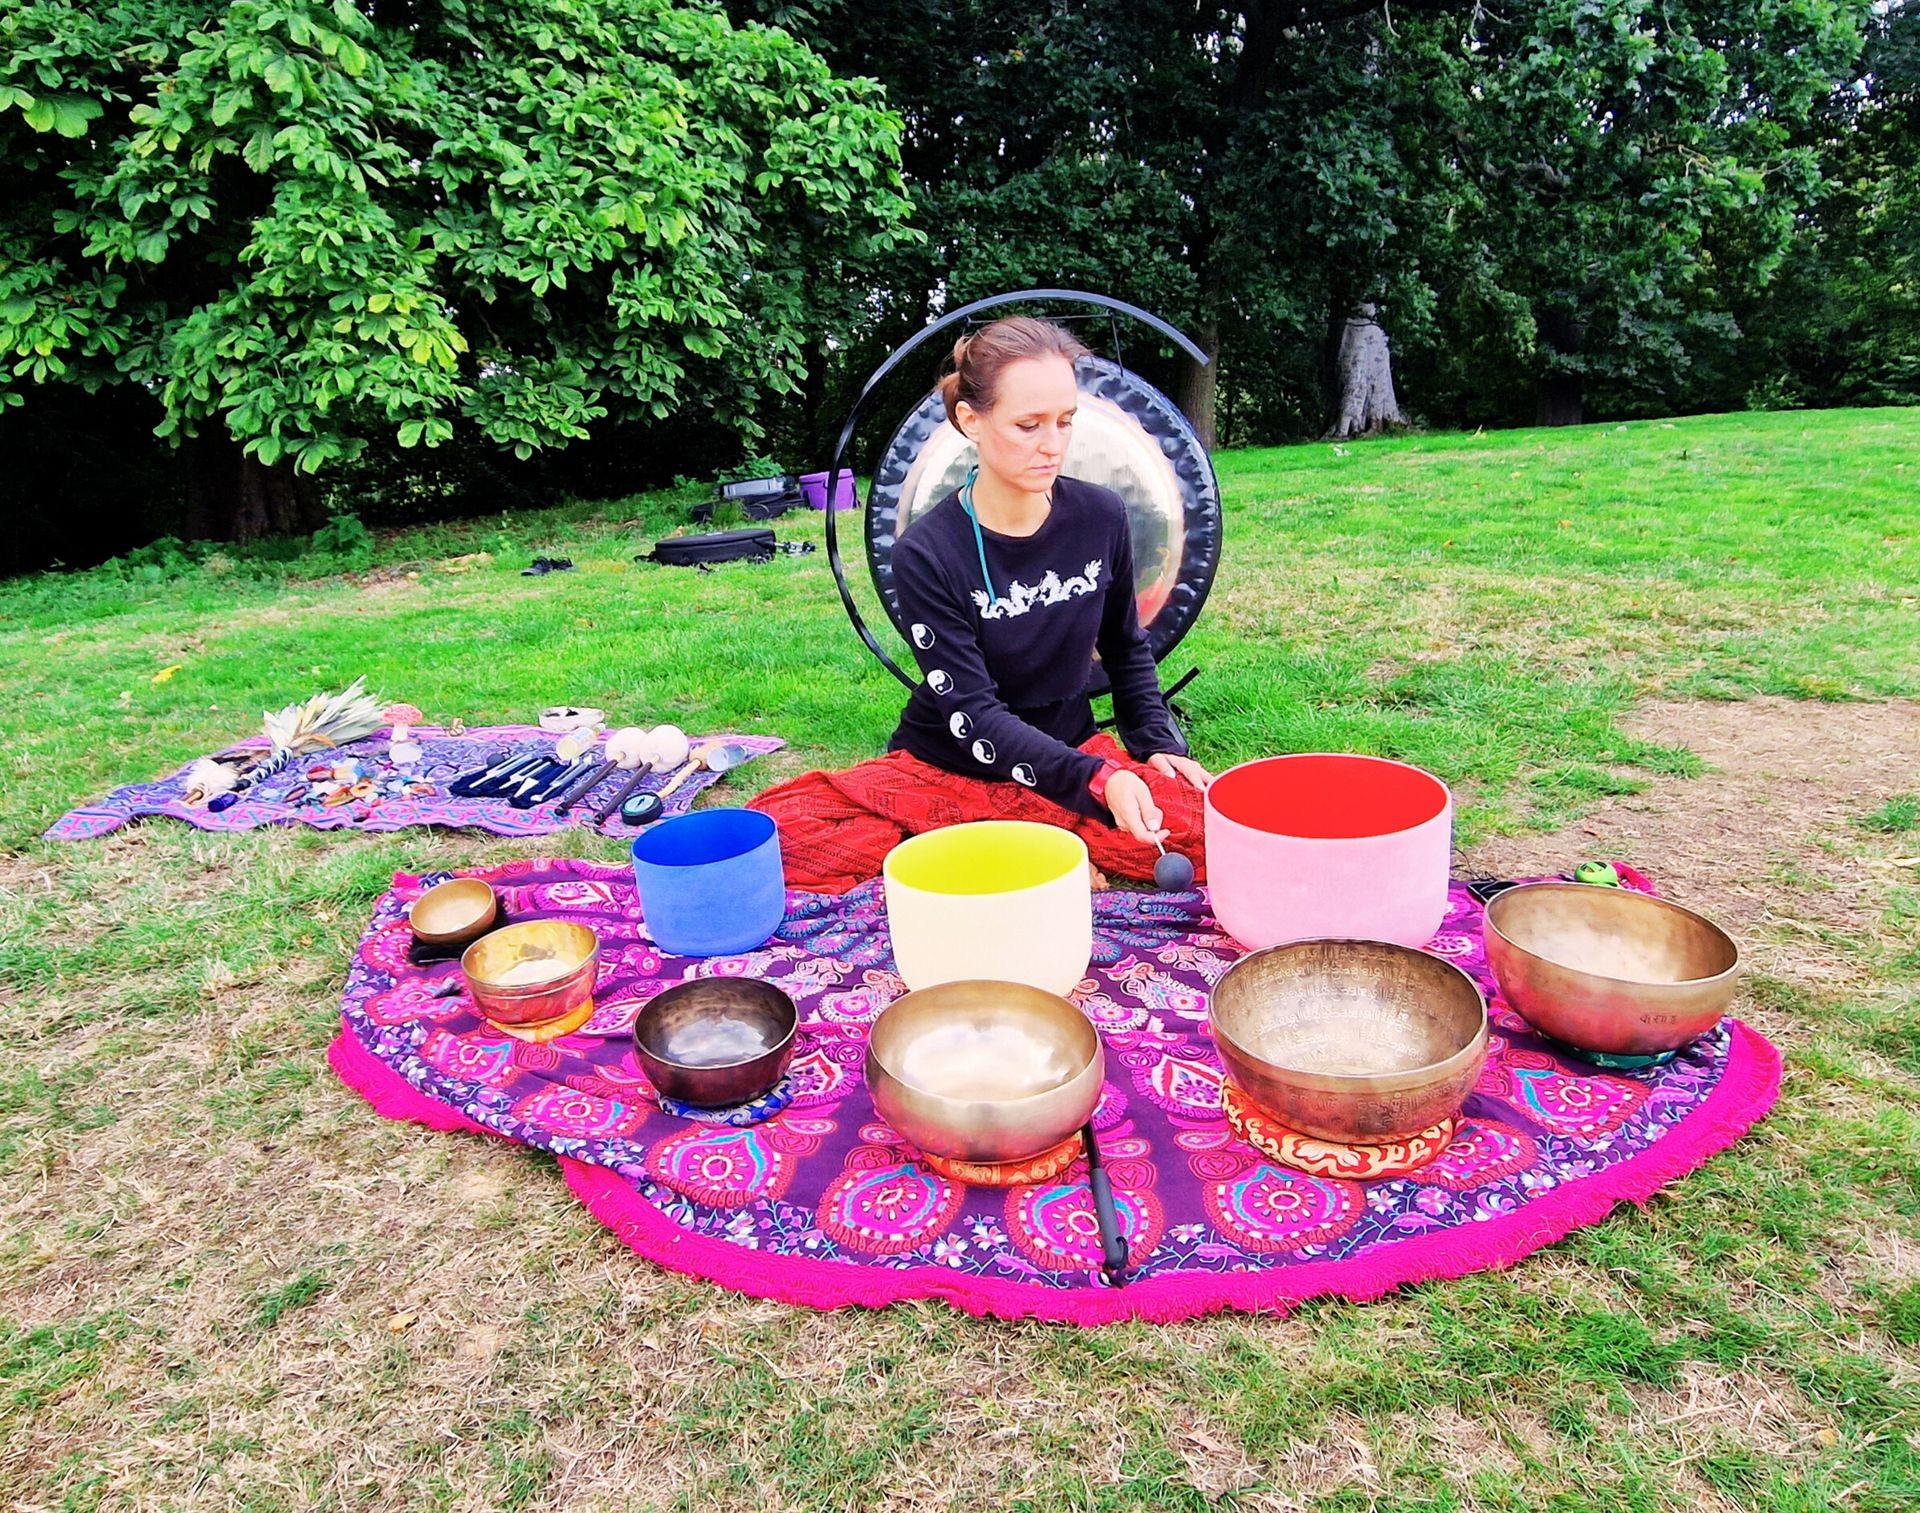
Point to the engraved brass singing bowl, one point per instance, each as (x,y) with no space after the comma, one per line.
(1355,1041)
(565,955)
(716,1041)
(1608,969)
(454,912)
(984,1071)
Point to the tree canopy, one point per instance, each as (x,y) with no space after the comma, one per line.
(1530,194)
(304,224)
(292,232)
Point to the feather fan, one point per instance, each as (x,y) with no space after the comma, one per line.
(324,720)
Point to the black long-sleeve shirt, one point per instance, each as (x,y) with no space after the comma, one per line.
(1004,694)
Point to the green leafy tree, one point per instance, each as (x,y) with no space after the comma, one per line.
(308,225)
(1236,168)
(1044,143)
(1601,147)
(1529,198)
(1841,322)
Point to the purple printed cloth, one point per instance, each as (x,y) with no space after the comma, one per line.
(825,1204)
(395,797)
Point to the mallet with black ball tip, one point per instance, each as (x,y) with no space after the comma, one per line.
(1173,873)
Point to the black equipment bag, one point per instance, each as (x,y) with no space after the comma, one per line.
(755,541)
(752,507)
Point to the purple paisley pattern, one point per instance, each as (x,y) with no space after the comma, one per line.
(286,797)
(825,1179)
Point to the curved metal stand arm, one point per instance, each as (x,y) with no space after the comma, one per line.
(918,340)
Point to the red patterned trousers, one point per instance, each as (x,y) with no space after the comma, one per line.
(836,828)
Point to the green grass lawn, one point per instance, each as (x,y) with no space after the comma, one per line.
(224,1282)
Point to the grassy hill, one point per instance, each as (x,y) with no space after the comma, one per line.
(224,1282)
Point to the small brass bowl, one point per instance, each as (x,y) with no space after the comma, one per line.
(984,1071)
(716,1041)
(454,912)
(1609,970)
(1355,1041)
(532,972)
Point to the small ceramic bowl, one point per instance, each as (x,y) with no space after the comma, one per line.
(454,912)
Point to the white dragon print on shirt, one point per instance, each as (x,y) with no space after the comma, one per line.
(1052,589)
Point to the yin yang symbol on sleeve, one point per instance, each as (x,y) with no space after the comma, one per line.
(1023,773)
(983,752)
(940,681)
(960,725)
(922,636)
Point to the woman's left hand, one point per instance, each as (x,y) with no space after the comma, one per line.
(1181,767)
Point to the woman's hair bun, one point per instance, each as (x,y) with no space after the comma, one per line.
(981,356)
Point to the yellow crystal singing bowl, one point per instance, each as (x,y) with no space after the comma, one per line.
(1001,899)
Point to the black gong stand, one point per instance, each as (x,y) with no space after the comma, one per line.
(1113,310)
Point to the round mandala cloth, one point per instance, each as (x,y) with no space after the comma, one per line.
(819,1202)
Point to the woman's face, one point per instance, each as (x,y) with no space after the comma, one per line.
(1023,438)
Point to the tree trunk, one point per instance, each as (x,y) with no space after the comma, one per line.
(234,497)
(1200,383)
(1561,400)
(1363,371)
(1265,29)
(1561,396)
(813,398)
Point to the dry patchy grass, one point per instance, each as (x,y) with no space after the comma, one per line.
(225,1284)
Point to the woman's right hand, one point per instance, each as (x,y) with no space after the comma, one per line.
(1131,804)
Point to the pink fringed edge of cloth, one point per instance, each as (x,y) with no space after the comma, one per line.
(1745,1093)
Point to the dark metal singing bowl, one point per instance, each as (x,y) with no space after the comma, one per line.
(1608,969)
(1355,1041)
(984,1071)
(716,1041)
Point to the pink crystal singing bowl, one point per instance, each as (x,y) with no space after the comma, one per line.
(1328,847)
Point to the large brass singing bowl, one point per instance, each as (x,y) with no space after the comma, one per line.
(984,1071)
(532,973)
(1610,970)
(716,1041)
(1355,1041)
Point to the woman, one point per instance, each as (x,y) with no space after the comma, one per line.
(1009,587)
